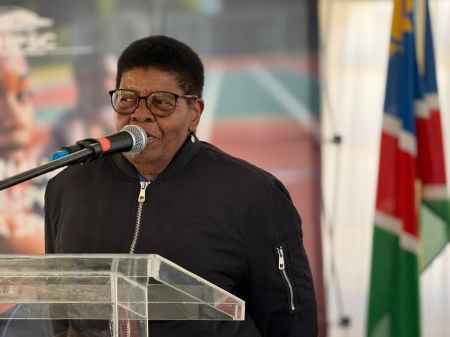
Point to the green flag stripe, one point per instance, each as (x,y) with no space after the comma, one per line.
(393,310)
(434,229)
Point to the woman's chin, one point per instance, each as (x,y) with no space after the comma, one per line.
(147,156)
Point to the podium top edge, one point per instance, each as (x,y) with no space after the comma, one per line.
(83,255)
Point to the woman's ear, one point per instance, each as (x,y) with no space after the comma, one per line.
(197,109)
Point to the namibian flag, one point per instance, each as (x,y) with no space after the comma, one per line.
(412,196)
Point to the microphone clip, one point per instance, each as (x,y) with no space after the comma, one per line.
(93,145)
(90,144)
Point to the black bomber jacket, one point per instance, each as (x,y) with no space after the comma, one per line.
(220,217)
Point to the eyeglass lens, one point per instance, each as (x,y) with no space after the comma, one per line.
(159,103)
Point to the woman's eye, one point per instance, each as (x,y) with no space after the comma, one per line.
(161,102)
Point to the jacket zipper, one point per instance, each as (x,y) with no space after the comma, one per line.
(141,200)
(282,268)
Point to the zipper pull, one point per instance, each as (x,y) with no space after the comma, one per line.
(280,252)
(144,185)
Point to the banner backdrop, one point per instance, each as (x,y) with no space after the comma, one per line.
(57,62)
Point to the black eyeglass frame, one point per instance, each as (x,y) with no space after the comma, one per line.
(187,97)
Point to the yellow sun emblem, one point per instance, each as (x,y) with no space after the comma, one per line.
(401,23)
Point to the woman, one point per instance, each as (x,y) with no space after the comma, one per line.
(215,215)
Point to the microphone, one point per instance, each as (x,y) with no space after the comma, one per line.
(131,138)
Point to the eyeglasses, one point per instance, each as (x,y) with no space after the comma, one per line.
(159,103)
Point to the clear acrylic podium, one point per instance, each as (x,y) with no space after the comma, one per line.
(126,290)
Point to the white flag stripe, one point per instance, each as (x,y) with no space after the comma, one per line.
(391,125)
(435,192)
(408,143)
(423,107)
(387,222)
(432,101)
(409,242)
(394,225)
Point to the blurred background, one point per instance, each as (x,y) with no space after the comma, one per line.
(294,86)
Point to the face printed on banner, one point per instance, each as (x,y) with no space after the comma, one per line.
(16,108)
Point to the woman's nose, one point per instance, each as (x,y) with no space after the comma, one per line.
(142,112)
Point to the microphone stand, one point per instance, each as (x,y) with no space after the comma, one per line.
(85,154)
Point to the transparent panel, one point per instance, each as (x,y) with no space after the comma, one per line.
(182,295)
(110,287)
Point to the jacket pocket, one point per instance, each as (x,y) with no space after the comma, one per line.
(282,267)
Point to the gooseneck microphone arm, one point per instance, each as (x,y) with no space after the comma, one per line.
(74,158)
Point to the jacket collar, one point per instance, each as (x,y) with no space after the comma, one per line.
(181,160)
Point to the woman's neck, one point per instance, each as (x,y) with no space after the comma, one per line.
(147,170)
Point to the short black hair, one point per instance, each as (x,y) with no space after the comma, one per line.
(166,54)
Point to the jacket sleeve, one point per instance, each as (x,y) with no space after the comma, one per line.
(280,292)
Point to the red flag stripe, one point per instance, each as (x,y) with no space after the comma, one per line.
(431,161)
(396,184)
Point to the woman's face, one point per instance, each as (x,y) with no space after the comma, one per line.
(165,135)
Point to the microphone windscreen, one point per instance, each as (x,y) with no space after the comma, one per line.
(139,138)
